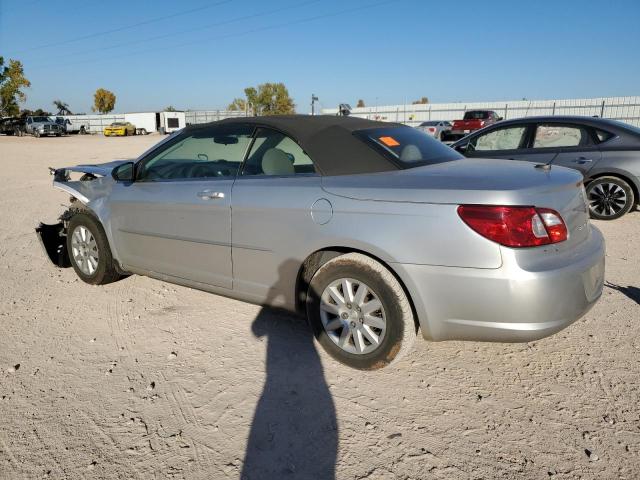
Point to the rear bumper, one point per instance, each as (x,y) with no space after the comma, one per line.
(511,303)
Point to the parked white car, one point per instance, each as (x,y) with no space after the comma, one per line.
(436,128)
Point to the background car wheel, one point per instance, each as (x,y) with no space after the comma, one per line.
(36,134)
(360,313)
(609,198)
(89,250)
(442,136)
(82,131)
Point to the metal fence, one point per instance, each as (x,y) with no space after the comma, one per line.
(205,116)
(626,109)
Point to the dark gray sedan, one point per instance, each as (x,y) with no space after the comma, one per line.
(607,152)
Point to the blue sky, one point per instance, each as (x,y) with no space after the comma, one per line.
(384,52)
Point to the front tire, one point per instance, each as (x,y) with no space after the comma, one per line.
(360,313)
(89,250)
(609,198)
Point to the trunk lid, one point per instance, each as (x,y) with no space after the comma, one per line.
(476,181)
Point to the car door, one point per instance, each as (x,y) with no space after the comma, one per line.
(506,142)
(175,218)
(568,145)
(272,222)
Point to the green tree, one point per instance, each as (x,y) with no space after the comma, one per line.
(63,108)
(38,112)
(104,101)
(422,101)
(267,99)
(12,81)
(170,108)
(238,105)
(360,104)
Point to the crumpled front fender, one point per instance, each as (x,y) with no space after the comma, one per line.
(53,240)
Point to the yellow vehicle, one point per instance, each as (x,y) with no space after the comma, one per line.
(121,129)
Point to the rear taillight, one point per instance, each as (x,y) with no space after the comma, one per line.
(515,226)
(432,129)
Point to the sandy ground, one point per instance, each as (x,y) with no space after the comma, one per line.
(142,379)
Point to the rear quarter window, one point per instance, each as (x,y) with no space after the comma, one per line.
(407,147)
(603,136)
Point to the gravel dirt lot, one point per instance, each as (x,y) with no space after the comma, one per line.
(142,379)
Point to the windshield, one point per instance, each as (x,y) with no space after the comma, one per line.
(480,115)
(41,119)
(118,124)
(407,146)
(428,124)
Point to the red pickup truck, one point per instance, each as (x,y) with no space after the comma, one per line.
(473,120)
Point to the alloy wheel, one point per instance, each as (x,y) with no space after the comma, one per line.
(353,316)
(607,199)
(84,250)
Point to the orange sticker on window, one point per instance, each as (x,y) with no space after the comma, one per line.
(389,141)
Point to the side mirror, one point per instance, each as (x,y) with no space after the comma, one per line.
(123,172)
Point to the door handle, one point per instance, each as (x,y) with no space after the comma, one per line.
(209,195)
(582,160)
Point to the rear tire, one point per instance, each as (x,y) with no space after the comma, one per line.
(354,331)
(609,198)
(89,251)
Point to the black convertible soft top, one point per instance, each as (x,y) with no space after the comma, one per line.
(327,139)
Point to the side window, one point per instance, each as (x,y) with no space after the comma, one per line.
(203,153)
(509,138)
(603,136)
(556,136)
(275,154)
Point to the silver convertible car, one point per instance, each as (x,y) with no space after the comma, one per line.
(373,231)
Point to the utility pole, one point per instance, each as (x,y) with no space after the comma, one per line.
(314,99)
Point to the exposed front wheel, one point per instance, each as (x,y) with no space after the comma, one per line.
(609,198)
(360,313)
(89,250)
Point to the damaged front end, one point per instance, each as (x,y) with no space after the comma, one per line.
(94,182)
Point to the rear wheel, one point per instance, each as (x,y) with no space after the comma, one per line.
(89,250)
(360,313)
(609,198)
(36,134)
